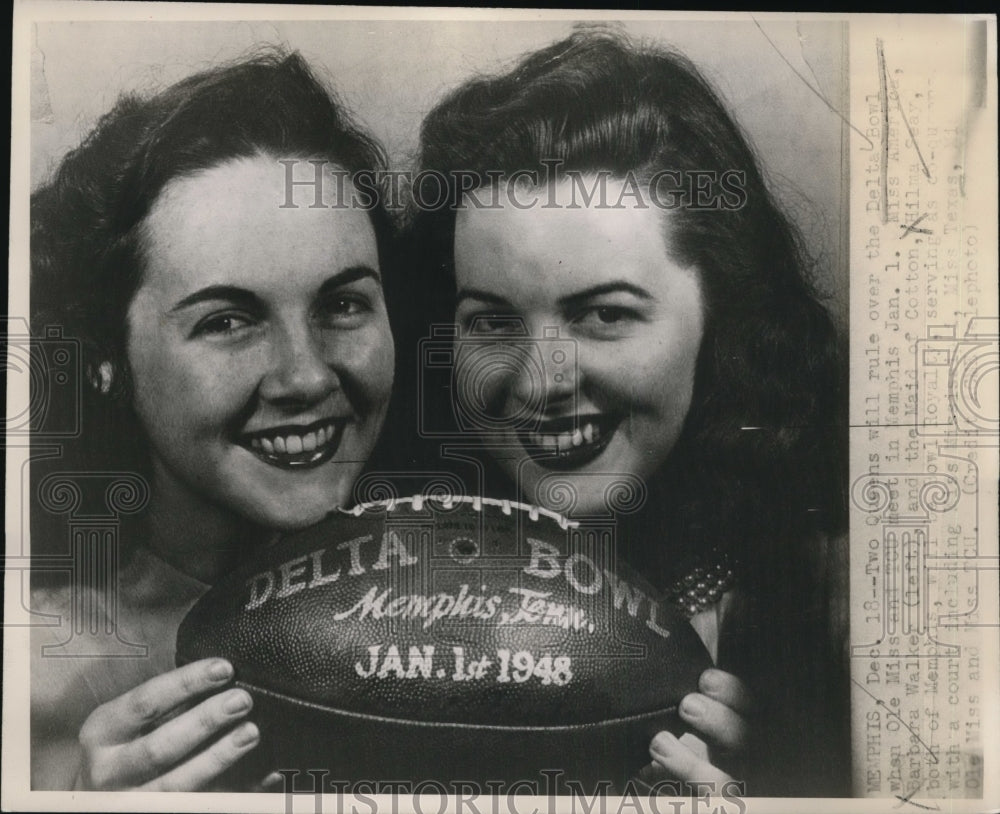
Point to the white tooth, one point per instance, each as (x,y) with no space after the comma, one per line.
(329,432)
(267,445)
(255,443)
(309,441)
(588,432)
(293,443)
(565,440)
(279,444)
(577,438)
(320,436)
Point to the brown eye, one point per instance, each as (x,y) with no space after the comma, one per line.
(343,310)
(608,315)
(224,324)
(607,321)
(495,325)
(343,306)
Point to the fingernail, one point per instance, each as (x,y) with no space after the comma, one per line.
(711,680)
(693,706)
(272,779)
(238,702)
(246,734)
(663,744)
(220,670)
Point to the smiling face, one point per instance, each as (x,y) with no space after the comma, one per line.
(604,278)
(259,346)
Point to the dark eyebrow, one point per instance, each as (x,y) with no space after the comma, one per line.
(609,287)
(218,292)
(348,276)
(247,298)
(479,294)
(567,301)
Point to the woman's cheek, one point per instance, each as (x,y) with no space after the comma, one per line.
(224,377)
(373,365)
(624,370)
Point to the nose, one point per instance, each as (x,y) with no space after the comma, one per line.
(298,371)
(545,380)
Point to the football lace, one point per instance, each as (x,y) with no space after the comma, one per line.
(416,503)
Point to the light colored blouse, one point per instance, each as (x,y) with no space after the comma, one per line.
(73,671)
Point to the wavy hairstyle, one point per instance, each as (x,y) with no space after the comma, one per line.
(86,247)
(758,471)
(767,385)
(87,250)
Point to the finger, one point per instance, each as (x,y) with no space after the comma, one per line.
(155,753)
(721,726)
(681,762)
(727,689)
(204,767)
(129,715)
(273,782)
(653,774)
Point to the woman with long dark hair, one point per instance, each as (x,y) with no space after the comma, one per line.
(237,356)
(604,218)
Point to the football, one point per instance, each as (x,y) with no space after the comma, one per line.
(448,639)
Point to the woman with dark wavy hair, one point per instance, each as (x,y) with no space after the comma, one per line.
(237,354)
(603,215)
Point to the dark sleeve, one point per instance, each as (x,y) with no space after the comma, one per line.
(790,647)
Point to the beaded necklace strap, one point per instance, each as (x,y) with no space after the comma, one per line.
(701,588)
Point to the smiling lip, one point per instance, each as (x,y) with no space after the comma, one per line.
(296,446)
(569,443)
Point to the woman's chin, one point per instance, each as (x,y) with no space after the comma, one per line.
(610,482)
(290,514)
(291,499)
(576,493)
